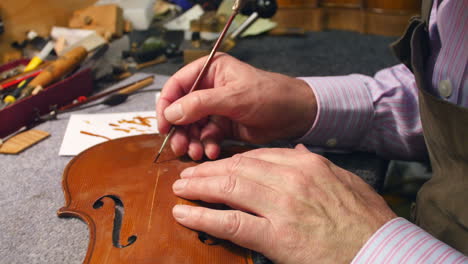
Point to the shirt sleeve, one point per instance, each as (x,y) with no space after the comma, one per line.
(400,241)
(378,114)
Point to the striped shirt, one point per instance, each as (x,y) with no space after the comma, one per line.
(380,114)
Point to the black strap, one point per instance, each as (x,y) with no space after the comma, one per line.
(426,8)
(402,47)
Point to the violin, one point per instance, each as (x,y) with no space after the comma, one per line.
(126,200)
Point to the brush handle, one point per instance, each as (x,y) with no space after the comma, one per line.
(202,73)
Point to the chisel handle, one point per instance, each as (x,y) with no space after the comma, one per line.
(57,69)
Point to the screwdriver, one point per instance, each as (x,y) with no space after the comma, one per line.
(235,10)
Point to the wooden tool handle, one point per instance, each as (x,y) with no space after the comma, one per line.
(63,65)
(158,60)
(134,87)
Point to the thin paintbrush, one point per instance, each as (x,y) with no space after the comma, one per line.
(235,8)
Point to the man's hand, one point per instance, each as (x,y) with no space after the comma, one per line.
(234,101)
(289,204)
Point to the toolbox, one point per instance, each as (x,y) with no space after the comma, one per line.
(26,111)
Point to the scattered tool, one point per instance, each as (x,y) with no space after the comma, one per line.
(26,137)
(37,60)
(11,98)
(65,64)
(56,70)
(18,80)
(11,72)
(121,91)
(235,10)
(22,141)
(255,10)
(139,66)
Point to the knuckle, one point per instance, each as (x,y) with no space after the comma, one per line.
(259,152)
(231,223)
(197,215)
(195,100)
(239,98)
(288,203)
(318,159)
(234,164)
(228,185)
(295,175)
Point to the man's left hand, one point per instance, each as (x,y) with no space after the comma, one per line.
(289,204)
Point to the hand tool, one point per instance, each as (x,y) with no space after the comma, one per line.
(11,98)
(37,60)
(124,91)
(63,65)
(235,10)
(255,10)
(18,80)
(66,63)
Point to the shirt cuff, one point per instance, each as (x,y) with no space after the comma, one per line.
(345,111)
(400,241)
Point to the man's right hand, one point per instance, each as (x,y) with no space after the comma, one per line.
(233,101)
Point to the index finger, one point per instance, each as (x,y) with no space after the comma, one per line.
(180,84)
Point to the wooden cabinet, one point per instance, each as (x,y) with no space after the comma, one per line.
(382,17)
(21,16)
(297,3)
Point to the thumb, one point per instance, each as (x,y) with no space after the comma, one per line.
(302,148)
(199,104)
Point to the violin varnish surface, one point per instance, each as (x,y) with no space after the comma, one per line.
(126,201)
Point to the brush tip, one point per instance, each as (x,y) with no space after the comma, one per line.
(157,157)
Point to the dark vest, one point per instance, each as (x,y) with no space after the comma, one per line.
(442,203)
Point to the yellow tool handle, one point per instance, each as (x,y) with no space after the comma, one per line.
(35,61)
(134,87)
(158,60)
(57,69)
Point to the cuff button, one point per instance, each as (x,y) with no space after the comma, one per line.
(331,142)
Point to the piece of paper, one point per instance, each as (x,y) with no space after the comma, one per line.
(182,22)
(86,130)
(260,26)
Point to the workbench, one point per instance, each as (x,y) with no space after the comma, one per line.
(31,191)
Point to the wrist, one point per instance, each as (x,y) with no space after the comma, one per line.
(307,100)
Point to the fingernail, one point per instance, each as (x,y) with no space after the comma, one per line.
(173,148)
(180,211)
(179,185)
(174,112)
(187,172)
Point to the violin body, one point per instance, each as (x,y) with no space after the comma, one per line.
(126,201)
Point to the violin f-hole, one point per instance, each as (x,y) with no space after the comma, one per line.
(207,239)
(118,216)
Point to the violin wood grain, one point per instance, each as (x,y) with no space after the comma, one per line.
(120,173)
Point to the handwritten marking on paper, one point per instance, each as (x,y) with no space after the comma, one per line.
(122,129)
(86,130)
(137,120)
(94,135)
